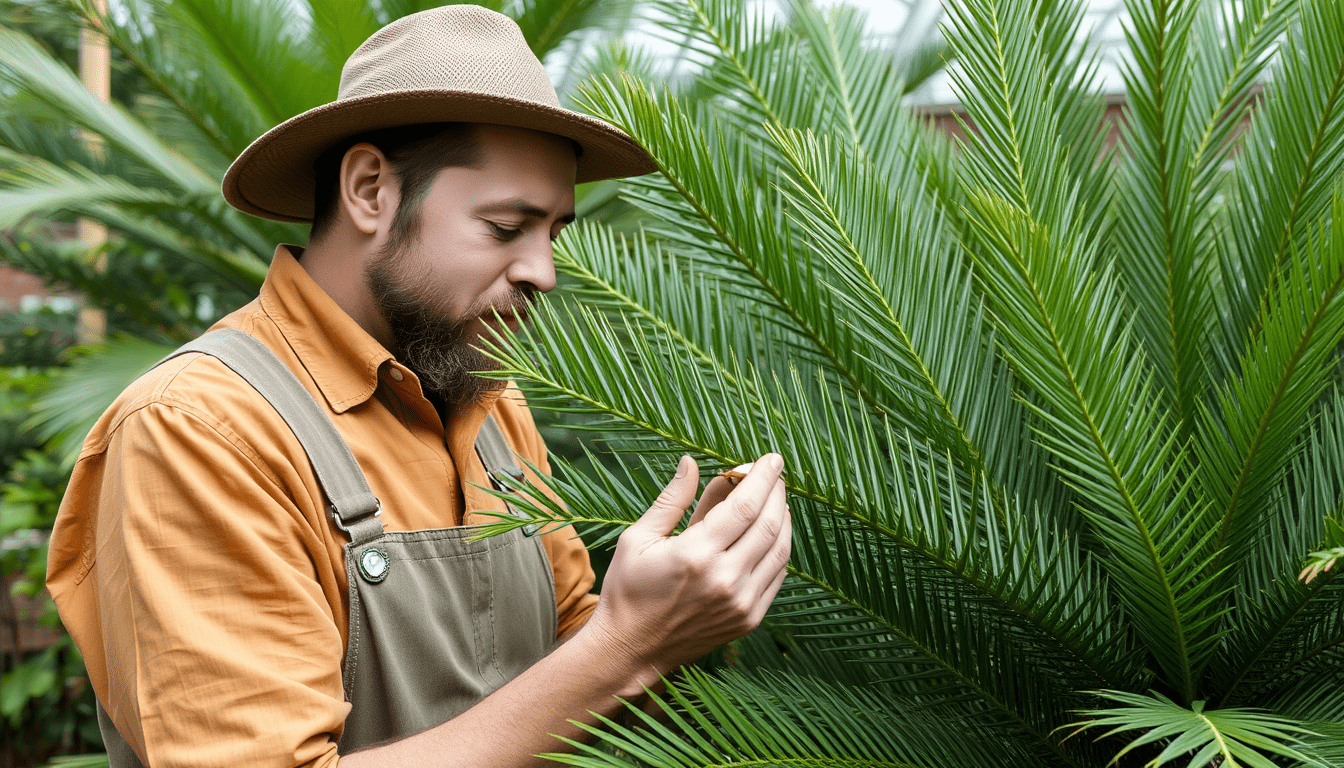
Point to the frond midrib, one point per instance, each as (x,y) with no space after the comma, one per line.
(1262,426)
(969,449)
(1173,613)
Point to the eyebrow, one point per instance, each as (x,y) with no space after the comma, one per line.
(520,206)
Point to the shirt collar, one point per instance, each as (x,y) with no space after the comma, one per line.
(337,352)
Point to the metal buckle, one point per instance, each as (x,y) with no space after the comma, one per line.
(336,519)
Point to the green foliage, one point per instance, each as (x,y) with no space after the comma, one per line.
(1227,737)
(1057,418)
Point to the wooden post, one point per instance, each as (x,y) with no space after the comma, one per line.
(95,69)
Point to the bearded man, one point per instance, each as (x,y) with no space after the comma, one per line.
(265,552)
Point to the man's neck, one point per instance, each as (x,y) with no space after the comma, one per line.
(338,269)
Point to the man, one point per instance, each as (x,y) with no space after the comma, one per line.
(231,607)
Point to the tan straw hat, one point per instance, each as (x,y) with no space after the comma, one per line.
(458,63)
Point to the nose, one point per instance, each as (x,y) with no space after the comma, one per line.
(534,268)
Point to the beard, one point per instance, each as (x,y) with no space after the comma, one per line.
(429,339)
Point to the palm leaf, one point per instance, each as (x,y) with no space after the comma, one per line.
(1226,737)
(778,719)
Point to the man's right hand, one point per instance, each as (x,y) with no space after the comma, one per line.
(669,599)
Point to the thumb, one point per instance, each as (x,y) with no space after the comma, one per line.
(671,504)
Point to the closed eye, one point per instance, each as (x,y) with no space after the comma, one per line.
(503,233)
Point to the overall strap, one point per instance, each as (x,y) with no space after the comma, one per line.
(495,452)
(498,460)
(353,507)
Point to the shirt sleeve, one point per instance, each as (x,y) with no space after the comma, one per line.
(220,640)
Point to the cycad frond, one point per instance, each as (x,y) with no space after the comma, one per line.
(1288,618)
(1251,430)
(261,53)
(749,246)
(1064,332)
(1020,146)
(35,75)
(1291,164)
(1162,218)
(909,298)
(740,721)
(1203,737)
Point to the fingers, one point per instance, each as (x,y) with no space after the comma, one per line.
(767,597)
(715,492)
(671,504)
(764,532)
(772,563)
(727,521)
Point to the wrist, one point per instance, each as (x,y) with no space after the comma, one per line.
(631,669)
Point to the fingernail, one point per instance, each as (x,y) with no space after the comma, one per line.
(776,462)
(681,466)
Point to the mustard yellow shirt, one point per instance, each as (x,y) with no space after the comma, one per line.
(193,561)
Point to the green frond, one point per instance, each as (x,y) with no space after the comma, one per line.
(743,231)
(909,298)
(1063,328)
(546,23)
(1250,431)
(1197,737)
(263,52)
(1282,620)
(34,74)
(1019,149)
(743,56)
(736,720)
(1318,703)
(201,95)
(1163,221)
(65,413)
(983,582)
(1290,164)
(43,189)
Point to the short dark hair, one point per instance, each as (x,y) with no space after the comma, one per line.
(416,153)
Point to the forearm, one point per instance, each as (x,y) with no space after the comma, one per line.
(516,722)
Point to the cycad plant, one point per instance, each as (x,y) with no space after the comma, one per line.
(1062,420)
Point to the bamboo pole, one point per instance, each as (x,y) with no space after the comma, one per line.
(95,69)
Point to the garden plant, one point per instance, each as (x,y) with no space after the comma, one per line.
(1062,416)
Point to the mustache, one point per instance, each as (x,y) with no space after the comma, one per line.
(518,304)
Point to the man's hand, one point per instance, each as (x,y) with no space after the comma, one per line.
(669,599)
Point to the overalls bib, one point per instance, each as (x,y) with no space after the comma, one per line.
(437,622)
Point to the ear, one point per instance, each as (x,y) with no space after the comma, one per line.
(368,190)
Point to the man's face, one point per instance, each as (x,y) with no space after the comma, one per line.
(483,244)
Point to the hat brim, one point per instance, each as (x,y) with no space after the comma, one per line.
(273,178)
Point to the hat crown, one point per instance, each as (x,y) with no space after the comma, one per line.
(451,48)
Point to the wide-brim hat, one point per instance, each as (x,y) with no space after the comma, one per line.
(458,63)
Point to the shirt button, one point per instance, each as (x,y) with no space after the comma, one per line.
(395,374)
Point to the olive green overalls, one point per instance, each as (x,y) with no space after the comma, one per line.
(437,621)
